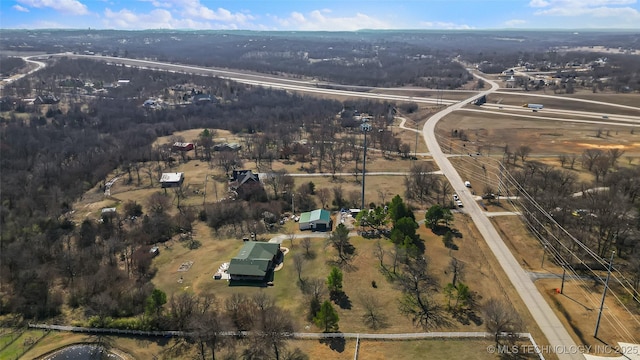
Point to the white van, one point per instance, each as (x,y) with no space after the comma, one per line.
(467,184)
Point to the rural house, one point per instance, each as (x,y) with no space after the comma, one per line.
(169,180)
(246,184)
(255,262)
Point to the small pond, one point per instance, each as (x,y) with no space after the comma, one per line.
(83,352)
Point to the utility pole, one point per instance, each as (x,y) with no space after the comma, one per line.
(365,127)
(604,294)
(564,272)
(415,149)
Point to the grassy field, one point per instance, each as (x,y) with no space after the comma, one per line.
(483,274)
(147,348)
(14,343)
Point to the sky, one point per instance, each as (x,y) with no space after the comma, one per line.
(326,15)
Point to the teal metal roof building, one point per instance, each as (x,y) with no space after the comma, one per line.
(316,220)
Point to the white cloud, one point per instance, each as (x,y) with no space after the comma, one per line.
(195,10)
(155,19)
(178,14)
(20,8)
(160,4)
(322,20)
(579,7)
(515,22)
(592,13)
(73,7)
(444,25)
(538,3)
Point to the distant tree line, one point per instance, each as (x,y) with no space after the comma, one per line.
(10,65)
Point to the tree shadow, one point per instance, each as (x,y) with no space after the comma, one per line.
(441,230)
(341,299)
(466,317)
(336,343)
(342,265)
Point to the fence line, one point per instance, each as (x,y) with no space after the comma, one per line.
(295,335)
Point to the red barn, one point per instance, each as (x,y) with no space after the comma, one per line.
(182,146)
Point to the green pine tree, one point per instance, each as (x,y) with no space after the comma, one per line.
(327,318)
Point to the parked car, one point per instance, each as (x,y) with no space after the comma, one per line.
(467,184)
(455,197)
(459,204)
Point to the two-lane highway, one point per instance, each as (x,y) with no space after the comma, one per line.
(548,322)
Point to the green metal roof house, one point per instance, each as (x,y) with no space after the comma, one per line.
(254,261)
(316,220)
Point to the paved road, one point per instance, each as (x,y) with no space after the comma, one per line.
(541,312)
(296,335)
(247,77)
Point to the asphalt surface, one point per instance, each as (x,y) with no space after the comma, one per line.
(541,312)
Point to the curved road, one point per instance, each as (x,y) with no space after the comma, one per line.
(553,329)
(547,321)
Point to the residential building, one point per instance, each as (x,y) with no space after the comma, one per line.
(255,262)
(169,180)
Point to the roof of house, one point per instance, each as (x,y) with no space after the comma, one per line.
(171,177)
(253,259)
(240,177)
(315,215)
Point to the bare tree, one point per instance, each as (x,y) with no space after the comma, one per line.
(272,329)
(456,267)
(614,155)
(279,181)
(373,316)
(523,152)
(589,157)
(158,203)
(417,302)
(306,244)
(563,159)
(378,252)
(572,160)
(382,195)
(335,156)
(500,318)
(241,311)
(323,195)
(208,326)
(298,264)
(229,160)
(420,182)
(600,167)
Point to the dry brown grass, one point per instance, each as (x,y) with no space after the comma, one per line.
(559,103)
